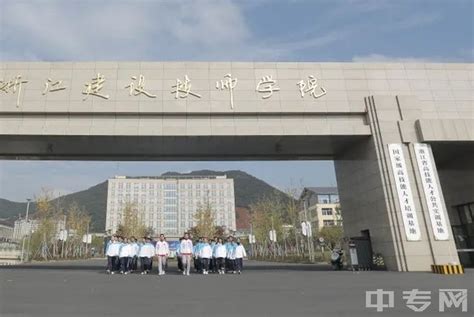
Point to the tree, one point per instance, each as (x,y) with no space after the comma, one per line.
(77,225)
(292,208)
(332,235)
(205,221)
(131,224)
(267,213)
(42,240)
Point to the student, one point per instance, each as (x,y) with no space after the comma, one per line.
(162,253)
(212,263)
(147,251)
(178,256)
(196,251)
(230,260)
(134,255)
(186,251)
(124,256)
(205,255)
(239,254)
(220,253)
(112,253)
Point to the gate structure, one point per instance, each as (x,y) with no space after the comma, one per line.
(384,125)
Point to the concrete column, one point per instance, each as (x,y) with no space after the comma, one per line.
(369,198)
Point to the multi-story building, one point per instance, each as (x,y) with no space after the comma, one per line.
(22,227)
(6,232)
(322,207)
(168,204)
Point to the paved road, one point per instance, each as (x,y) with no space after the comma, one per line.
(265,289)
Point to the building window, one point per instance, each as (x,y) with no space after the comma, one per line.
(328,223)
(323,199)
(326,211)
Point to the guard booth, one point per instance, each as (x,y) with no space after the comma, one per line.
(360,252)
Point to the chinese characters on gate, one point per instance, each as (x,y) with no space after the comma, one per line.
(405,196)
(431,190)
(182,89)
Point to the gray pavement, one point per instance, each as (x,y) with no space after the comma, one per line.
(81,288)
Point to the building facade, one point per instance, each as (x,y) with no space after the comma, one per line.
(322,207)
(168,204)
(23,227)
(6,232)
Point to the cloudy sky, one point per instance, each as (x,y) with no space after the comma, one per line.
(257,30)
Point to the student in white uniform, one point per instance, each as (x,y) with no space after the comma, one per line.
(220,253)
(124,256)
(162,253)
(146,253)
(239,255)
(186,251)
(134,256)
(205,255)
(112,253)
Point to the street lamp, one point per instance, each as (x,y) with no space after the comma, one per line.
(310,249)
(26,222)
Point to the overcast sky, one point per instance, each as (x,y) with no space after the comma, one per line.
(258,30)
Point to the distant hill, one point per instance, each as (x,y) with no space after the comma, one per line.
(248,189)
(94,200)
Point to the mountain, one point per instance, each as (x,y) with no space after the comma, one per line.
(248,190)
(93,199)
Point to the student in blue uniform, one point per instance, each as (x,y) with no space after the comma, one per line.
(146,254)
(212,263)
(230,260)
(196,252)
(205,255)
(220,253)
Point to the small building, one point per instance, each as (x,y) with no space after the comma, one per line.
(322,207)
(23,227)
(6,232)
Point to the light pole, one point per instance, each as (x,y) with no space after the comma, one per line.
(26,222)
(310,249)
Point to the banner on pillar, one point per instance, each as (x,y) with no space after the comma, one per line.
(429,176)
(405,195)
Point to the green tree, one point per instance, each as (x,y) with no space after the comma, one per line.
(332,235)
(267,213)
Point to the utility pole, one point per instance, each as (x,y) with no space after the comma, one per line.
(251,235)
(28,231)
(87,240)
(310,249)
(274,236)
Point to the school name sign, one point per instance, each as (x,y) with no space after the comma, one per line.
(182,88)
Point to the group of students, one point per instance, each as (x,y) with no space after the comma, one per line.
(123,254)
(207,256)
(210,256)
